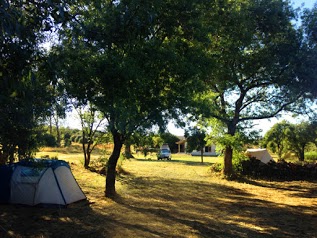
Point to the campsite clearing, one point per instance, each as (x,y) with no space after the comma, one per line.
(177,198)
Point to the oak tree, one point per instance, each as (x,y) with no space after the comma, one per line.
(255,49)
(134,60)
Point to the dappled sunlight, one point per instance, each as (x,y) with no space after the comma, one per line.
(209,203)
(163,199)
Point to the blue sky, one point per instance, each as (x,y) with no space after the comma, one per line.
(307,3)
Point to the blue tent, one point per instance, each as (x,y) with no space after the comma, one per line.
(5,178)
(39,182)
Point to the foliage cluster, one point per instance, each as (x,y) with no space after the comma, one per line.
(151,142)
(311,156)
(281,170)
(26,95)
(296,138)
(237,162)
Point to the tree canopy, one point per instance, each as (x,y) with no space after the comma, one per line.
(276,138)
(256,50)
(25,95)
(134,60)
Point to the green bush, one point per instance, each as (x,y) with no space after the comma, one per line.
(67,142)
(281,170)
(311,156)
(237,161)
(73,138)
(216,168)
(77,138)
(48,140)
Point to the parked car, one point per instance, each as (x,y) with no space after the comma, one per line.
(164,154)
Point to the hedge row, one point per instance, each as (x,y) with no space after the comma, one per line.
(279,170)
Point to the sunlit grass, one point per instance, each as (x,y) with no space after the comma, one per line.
(177,198)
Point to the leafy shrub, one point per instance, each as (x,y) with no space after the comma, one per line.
(48,140)
(77,138)
(216,167)
(279,170)
(311,156)
(81,140)
(67,142)
(73,138)
(237,161)
(99,165)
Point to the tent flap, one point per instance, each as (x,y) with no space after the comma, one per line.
(260,154)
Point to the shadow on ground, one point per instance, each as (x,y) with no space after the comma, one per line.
(156,206)
(181,208)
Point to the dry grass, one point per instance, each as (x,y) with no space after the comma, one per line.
(177,198)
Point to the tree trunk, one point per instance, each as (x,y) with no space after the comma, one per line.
(227,169)
(302,154)
(202,154)
(51,127)
(86,163)
(127,151)
(87,156)
(112,164)
(87,159)
(58,133)
(227,166)
(279,153)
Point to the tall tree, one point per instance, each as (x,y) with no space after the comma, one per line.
(255,49)
(134,60)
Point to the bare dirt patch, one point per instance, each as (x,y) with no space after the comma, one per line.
(177,198)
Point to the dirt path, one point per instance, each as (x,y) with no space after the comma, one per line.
(173,199)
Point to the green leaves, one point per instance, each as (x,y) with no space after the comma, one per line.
(133,60)
(25,97)
(255,57)
(276,138)
(299,136)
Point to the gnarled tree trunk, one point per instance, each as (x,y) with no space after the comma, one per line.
(227,166)
(112,163)
(227,169)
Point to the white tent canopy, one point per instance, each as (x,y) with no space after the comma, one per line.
(43,182)
(260,154)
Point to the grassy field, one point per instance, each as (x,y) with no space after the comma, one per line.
(177,198)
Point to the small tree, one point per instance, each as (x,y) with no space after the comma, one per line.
(276,138)
(196,140)
(91,121)
(143,140)
(299,136)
